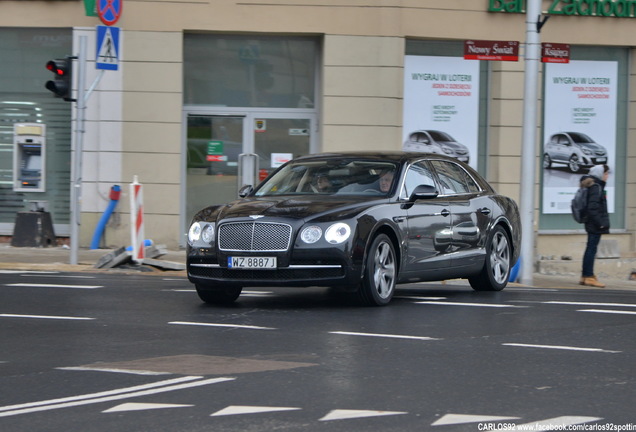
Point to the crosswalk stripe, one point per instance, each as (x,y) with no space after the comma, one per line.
(342,414)
(143,406)
(450,419)
(242,409)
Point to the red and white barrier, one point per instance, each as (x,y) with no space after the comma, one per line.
(137,220)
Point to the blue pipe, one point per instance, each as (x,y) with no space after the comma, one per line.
(101,225)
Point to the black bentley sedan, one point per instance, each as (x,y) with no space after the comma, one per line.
(360,222)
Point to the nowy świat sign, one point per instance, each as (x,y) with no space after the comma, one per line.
(597,8)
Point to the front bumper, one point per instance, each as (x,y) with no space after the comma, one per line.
(300,271)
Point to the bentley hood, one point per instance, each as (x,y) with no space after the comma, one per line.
(316,208)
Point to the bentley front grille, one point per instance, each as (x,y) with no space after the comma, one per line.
(254,236)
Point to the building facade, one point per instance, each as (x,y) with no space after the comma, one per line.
(210,94)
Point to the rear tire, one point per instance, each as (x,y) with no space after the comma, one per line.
(547,162)
(220,295)
(380,273)
(496,271)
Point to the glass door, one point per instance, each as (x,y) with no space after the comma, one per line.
(213,146)
(277,140)
(226,151)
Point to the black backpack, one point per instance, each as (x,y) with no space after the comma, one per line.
(579,205)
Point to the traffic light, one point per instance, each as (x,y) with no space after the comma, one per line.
(62,84)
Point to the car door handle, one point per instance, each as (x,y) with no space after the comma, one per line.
(485,211)
(445,212)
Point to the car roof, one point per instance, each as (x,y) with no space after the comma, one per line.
(390,156)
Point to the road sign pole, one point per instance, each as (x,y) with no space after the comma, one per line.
(528,150)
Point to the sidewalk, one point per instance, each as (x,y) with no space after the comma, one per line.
(58,259)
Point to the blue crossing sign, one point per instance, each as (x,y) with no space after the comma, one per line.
(107,56)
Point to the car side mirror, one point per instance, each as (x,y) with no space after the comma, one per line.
(245,191)
(424,192)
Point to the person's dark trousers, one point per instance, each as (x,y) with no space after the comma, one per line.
(590,253)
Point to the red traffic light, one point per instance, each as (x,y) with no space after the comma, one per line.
(59,67)
(61,84)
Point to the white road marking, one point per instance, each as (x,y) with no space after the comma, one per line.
(114,395)
(531,289)
(31,285)
(142,407)
(592,304)
(105,393)
(469,304)
(45,317)
(384,335)
(241,409)
(31,272)
(42,275)
(556,423)
(341,414)
(419,298)
(221,325)
(450,419)
(126,371)
(570,348)
(608,311)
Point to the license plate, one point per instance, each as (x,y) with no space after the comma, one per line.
(251,262)
(600,159)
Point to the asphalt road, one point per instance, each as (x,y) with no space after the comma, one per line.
(138,352)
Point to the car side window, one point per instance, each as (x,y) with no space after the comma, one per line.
(563,140)
(418,174)
(454,178)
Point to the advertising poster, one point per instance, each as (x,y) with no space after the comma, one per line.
(441,106)
(580,115)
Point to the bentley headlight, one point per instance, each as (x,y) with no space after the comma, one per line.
(311,234)
(207,235)
(201,234)
(194,234)
(338,233)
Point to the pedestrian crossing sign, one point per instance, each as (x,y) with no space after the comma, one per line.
(107,56)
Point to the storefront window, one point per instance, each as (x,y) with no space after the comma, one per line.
(446,95)
(24,99)
(584,124)
(249,71)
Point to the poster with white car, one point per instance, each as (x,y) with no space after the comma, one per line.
(441,106)
(580,114)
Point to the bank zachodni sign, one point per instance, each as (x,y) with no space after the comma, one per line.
(596,8)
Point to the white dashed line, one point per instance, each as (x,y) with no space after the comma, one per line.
(221,325)
(560,347)
(383,335)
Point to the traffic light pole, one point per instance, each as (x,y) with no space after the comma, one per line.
(76,170)
(77,153)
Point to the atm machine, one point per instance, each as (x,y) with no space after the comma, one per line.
(29,157)
(31,228)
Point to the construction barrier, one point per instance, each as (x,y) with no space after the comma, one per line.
(137,220)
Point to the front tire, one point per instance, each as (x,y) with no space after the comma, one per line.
(220,295)
(495,274)
(574,163)
(380,273)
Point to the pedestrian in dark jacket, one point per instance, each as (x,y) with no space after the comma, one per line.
(597,220)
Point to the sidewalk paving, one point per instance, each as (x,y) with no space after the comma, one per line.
(58,259)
